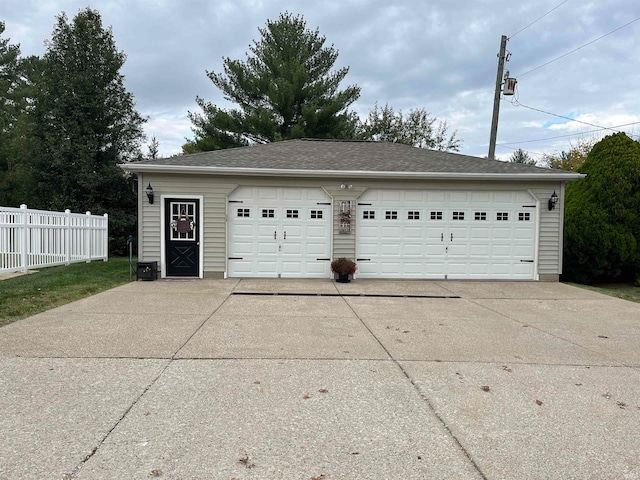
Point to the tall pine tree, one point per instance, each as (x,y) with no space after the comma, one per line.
(284,89)
(15,94)
(85,124)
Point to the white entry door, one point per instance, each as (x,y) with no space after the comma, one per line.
(439,234)
(279,232)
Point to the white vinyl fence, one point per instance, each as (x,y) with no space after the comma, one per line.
(37,238)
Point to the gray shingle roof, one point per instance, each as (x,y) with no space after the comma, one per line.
(345,155)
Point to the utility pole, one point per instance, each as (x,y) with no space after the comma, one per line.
(496,98)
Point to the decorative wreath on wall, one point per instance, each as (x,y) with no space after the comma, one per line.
(345,216)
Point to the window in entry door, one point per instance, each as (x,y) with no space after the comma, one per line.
(182,223)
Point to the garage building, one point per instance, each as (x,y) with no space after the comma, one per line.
(286,209)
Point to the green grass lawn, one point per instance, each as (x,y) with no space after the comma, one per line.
(625,291)
(26,295)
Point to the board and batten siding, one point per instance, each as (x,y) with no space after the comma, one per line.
(344,244)
(215,191)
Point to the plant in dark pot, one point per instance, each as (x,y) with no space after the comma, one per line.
(343,267)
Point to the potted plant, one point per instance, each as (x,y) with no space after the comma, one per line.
(343,267)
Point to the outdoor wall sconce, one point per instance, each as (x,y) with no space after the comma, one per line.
(149,191)
(553,200)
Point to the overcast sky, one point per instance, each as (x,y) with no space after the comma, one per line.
(436,54)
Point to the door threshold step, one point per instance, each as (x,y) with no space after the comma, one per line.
(375,295)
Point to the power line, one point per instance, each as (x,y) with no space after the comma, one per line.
(568,135)
(551,138)
(518,104)
(579,48)
(537,19)
(515,149)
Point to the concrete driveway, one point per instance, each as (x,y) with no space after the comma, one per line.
(367,380)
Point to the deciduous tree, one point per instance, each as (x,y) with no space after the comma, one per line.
(572,159)
(417,128)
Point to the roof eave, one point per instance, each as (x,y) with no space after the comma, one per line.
(281,172)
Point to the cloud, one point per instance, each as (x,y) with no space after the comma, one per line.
(438,55)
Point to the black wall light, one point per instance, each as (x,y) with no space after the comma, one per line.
(149,191)
(553,200)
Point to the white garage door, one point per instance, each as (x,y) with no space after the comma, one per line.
(279,232)
(446,234)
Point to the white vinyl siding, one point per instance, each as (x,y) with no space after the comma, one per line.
(550,242)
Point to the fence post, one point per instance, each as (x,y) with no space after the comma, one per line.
(106,237)
(25,239)
(67,236)
(88,236)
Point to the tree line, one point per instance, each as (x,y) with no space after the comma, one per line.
(67,121)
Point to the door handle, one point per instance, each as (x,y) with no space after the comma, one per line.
(275,234)
(285,234)
(442,237)
(452,237)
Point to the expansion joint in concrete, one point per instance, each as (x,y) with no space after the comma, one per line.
(432,409)
(77,469)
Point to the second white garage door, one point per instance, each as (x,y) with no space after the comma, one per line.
(438,234)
